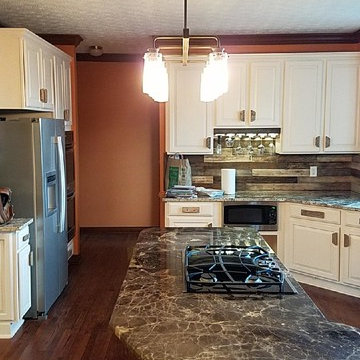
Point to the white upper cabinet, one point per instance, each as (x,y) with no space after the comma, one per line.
(188,120)
(62,74)
(254,95)
(342,105)
(28,73)
(303,106)
(321,104)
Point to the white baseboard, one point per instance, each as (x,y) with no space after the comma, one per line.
(327,284)
(9,328)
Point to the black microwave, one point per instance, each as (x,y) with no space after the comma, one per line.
(260,215)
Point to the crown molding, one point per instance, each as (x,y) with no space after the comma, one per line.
(62,39)
(287,39)
(109,57)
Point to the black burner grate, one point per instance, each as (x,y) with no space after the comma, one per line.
(233,269)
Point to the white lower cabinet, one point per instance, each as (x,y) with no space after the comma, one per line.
(321,246)
(15,280)
(193,214)
(313,248)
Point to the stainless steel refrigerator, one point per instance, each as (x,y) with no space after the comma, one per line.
(32,164)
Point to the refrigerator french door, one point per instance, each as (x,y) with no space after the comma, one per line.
(32,164)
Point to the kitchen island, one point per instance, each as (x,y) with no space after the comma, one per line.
(157,319)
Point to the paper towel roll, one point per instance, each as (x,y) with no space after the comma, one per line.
(228,181)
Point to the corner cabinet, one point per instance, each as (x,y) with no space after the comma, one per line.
(188,120)
(35,75)
(15,280)
(321,104)
(321,246)
(254,95)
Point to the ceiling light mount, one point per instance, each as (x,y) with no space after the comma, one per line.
(96,50)
(214,80)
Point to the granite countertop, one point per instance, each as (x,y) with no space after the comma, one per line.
(15,225)
(346,200)
(156,319)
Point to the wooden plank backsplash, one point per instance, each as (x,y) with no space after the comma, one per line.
(355,173)
(280,172)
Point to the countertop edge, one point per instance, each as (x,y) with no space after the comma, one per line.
(15,225)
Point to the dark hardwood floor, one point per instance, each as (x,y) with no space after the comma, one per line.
(78,324)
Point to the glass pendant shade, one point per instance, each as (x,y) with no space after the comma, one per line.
(155,76)
(215,77)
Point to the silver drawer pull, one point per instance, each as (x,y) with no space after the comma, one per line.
(26,237)
(191,210)
(315,214)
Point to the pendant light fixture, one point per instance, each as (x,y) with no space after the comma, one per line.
(214,79)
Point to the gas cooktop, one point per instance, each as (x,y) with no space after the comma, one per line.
(233,269)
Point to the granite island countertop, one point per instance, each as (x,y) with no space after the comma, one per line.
(345,200)
(15,225)
(156,319)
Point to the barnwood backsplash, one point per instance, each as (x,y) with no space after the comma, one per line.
(355,172)
(279,172)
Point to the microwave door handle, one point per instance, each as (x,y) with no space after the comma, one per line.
(59,144)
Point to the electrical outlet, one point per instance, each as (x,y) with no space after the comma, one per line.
(313,170)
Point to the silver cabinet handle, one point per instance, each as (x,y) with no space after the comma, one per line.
(190,209)
(42,95)
(208,142)
(67,114)
(242,115)
(334,239)
(346,240)
(252,115)
(31,258)
(315,214)
(327,141)
(26,237)
(317,141)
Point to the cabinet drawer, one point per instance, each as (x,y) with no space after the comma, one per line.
(350,218)
(316,213)
(22,238)
(192,208)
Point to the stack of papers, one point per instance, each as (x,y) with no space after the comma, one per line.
(179,191)
(212,193)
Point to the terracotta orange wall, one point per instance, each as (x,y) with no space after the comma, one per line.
(119,147)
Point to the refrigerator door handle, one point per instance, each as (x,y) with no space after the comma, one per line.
(59,144)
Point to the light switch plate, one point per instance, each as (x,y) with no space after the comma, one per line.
(313,171)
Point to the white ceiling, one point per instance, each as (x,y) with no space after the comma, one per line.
(127,26)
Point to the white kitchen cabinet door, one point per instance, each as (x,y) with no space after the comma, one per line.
(58,85)
(254,95)
(24,278)
(303,106)
(342,106)
(313,248)
(62,75)
(6,279)
(48,78)
(350,253)
(66,77)
(33,74)
(265,93)
(189,120)
(232,106)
